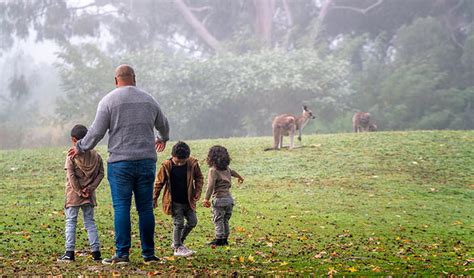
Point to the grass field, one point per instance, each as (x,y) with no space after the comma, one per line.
(384,203)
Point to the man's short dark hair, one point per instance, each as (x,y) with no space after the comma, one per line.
(78,132)
(181,150)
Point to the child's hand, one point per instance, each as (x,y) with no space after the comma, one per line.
(85,193)
(206,203)
(196,198)
(240,180)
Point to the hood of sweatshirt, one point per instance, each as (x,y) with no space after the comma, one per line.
(87,162)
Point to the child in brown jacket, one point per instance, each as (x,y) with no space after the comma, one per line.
(181,179)
(84,172)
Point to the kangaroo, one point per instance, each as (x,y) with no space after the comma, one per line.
(286,124)
(361,121)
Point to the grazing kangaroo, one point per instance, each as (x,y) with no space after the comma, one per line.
(286,124)
(361,121)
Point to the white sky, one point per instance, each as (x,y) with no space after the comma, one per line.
(40,51)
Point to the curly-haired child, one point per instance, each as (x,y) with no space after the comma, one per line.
(218,186)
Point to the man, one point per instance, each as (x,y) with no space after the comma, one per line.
(129,114)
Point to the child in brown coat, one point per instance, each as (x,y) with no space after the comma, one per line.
(181,179)
(84,172)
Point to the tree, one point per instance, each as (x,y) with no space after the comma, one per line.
(226,95)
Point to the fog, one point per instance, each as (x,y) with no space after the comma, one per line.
(226,68)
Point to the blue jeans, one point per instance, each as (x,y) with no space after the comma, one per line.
(127,178)
(89,223)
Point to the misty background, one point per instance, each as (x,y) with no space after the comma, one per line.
(222,68)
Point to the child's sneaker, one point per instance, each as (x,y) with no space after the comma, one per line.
(182,251)
(67,257)
(192,252)
(96,256)
(152,259)
(217,242)
(116,260)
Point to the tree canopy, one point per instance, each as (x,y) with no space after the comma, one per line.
(226,67)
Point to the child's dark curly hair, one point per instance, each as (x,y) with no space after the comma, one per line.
(181,150)
(218,157)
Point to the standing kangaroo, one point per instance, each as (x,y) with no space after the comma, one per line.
(286,124)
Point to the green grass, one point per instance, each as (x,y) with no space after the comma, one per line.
(384,203)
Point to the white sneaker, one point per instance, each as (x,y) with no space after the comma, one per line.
(182,251)
(189,250)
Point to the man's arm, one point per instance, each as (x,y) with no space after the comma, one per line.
(161,124)
(97,130)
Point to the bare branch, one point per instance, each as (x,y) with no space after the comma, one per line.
(289,16)
(460,2)
(324,10)
(452,29)
(200,9)
(197,25)
(362,11)
(82,7)
(181,45)
(206,18)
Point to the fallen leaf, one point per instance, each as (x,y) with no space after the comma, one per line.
(376,269)
(320,255)
(352,269)
(331,272)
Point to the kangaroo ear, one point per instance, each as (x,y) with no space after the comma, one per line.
(305,108)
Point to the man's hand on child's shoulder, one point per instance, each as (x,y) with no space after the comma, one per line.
(72,152)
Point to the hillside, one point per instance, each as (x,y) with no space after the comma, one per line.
(371,203)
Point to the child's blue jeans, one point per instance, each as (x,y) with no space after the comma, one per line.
(89,224)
